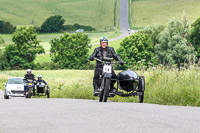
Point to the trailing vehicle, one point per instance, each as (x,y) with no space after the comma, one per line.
(14,87)
(30,85)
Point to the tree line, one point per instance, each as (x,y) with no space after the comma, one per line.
(52,24)
(173,45)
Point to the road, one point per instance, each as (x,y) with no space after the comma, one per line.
(20,115)
(123,21)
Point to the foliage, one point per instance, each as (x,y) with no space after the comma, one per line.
(195,35)
(70,51)
(6,27)
(3,61)
(136,48)
(22,53)
(166,87)
(153,31)
(53,24)
(2,42)
(78,26)
(173,47)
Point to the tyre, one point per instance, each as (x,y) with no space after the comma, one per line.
(141,89)
(100,97)
(141,97)
(141,85)
(106,90)
(6,97)
(29,93)
(48,94)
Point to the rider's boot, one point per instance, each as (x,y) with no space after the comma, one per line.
(112,89)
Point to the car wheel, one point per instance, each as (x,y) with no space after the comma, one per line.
(6,97)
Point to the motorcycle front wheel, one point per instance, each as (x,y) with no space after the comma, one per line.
(106,90)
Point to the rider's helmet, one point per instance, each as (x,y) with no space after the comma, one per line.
(39,77)
(103,39)
(28,70)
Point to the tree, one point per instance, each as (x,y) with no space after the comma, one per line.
(53,24)
(172,47)
(6,27)
(70,51)
(3,61)
(2,42)
(22,53)
(136,48)
(195,35)
(153,31)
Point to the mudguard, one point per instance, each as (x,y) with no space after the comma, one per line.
(107,75)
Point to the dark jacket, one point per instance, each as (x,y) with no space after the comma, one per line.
(98,53)
(29,76)
(37,81)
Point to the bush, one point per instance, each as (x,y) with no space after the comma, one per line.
(173,47)
(70,51)
(195,35)
(53,24)
(136,50)
(77,26)
(6,27)
(22,54)
(153,32)
(2,42)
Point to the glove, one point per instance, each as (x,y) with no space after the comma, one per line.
(91,59)
(121,63)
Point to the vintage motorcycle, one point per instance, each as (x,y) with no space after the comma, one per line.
(127,80)
(30,85)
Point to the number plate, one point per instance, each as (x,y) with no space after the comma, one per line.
(30,84)
(107,69)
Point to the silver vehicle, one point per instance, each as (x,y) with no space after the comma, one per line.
(14,87)
(80,30)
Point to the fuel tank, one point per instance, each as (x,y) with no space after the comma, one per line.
(128,80)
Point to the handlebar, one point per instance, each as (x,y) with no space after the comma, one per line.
(118,62)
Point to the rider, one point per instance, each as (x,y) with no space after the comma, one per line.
(100,52)
(27,76)
(40,80)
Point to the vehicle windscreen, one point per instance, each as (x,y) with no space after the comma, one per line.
(15,81)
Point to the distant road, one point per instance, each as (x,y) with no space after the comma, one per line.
(123,21)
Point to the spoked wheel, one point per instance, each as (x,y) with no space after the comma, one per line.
(100,97)
(29,93)
(106,90)
(141,88)
(141,97)
(48,94)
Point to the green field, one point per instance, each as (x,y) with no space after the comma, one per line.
(96,13)
(168,87)
(46,57)
(147,12)
(46,38)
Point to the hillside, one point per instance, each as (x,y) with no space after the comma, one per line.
(96,13)
(147,12)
